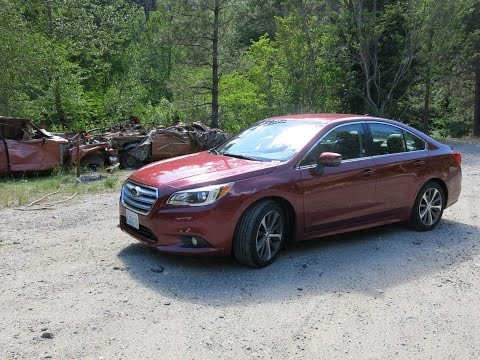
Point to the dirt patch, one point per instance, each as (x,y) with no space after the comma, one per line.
(72,285)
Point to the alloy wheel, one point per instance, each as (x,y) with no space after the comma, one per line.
(430,206)
(269,235)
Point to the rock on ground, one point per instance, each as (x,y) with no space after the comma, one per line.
(385,293)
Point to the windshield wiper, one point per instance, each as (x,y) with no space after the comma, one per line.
(213,151)
(239,156)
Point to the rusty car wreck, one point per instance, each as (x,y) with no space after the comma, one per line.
(136,146)
(24,147)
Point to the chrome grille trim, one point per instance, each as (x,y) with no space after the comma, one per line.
(138,197)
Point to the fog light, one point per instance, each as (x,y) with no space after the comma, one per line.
(194,242)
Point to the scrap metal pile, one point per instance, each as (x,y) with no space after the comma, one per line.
(24,147)
(136,146)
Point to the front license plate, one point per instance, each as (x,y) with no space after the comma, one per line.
(132,219)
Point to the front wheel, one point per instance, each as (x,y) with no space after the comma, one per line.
(260,234)
(428,208)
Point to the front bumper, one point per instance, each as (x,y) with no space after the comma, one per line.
(164,227)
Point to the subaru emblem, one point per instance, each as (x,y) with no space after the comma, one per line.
(135,191)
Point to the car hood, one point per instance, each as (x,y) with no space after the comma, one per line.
(200,169)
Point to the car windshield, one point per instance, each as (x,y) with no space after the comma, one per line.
(271,140)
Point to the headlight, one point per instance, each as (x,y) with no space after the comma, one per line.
(201,196)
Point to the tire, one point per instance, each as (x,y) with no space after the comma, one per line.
(94,161)
(428,207)
(260,234)
(128,161)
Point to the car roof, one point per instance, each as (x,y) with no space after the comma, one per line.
(6,120)
(317,117)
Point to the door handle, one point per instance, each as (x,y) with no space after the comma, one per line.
(419,163)
(368,172)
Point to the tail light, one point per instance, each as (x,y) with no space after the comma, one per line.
(458,158)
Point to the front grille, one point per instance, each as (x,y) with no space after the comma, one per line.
(143,231)
(139,198)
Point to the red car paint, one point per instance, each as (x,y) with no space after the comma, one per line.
(370,191)
(26,148)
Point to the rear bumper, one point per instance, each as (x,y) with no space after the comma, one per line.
(454,185)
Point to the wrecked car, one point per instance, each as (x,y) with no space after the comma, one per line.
(134,150)
(26,148)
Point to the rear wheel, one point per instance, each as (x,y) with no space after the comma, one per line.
(428,208)
(94,161)
(260,234)
(128,161)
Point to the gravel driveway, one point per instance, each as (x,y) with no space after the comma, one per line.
(72,285)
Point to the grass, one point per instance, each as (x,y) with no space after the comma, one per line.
(21,190)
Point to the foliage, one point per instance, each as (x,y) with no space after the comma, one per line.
(79,64)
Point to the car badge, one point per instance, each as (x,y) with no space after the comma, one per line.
(135,191)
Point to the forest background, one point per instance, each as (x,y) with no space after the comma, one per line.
(81,64)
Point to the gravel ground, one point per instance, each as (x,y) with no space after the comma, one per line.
(72,285)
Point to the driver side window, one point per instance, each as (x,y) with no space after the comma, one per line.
(346,140)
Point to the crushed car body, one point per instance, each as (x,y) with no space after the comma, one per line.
(164,143)
(135,146)
(26,148)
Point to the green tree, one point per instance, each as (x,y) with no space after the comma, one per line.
(382,42)
(470,21)
(22,54)
(202,29)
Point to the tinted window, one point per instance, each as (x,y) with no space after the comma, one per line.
(271,140)
(386,139)
(413,142)
(347,140)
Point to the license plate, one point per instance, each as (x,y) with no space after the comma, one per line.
(132,219)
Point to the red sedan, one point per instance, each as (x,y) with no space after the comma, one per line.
(291,178)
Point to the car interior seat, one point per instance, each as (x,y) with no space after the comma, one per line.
(347,145)
(395,144)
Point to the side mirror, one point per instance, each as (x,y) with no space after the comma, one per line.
(327,159)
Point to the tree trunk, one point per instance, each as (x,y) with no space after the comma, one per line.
(55,79)
(476,115)
(426,104)
(148,7)
(50,18)
(58,102)
(215,79)
(428,73)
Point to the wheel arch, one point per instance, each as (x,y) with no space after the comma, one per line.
(289,212)
(442,184)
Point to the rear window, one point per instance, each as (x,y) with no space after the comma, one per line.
(389,139)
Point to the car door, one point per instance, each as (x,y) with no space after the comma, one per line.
(29,149)
(343,195)
(400,161)
(4,163)
(33,154)
(3,156)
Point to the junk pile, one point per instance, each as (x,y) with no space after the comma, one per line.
(26,148)
(163,143)
(128,145)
